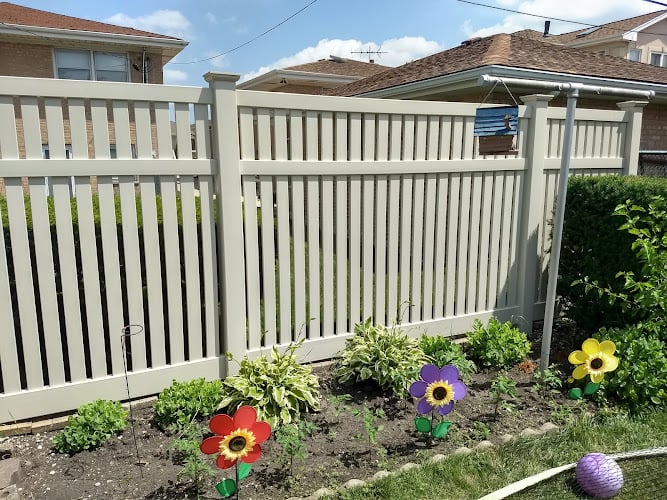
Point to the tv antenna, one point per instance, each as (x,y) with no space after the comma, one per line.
(369,52)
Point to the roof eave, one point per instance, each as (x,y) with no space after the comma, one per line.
(631,35)
(468,78)
(583,42)
(169,46)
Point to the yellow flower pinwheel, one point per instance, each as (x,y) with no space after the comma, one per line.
(594,359)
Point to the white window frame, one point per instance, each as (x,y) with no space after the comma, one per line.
(91,62)
(638,53)
(663,59)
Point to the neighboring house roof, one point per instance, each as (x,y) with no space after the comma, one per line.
(323,74)
(512,51)
(18,20)
(340,66)
(625,28)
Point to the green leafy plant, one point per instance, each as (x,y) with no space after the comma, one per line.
(337,403)
(369,419)
(643,295)
(278,387)
(562,414)
(549,381)
(291,438)
(195,468)
(182,402)
(91,426)
(591,203)
(503,394)
(480,431)
(640,381)
(498,345)
(386,356)
(442,351)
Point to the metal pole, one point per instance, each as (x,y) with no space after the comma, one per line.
(557,236)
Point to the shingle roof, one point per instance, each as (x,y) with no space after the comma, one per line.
(25,16)
(514,50)
(610,29)
(340,66)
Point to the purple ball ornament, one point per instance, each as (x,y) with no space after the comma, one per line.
(599,476)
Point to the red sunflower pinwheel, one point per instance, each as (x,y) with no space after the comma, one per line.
(236,438)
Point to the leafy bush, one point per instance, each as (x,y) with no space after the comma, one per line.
(279,388)
(640,381)
(644,294)
(388,357)
(594,247)
(499,345)
(442,351)
(183,402)
(92,425)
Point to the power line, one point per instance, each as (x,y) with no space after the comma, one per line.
(252,39)
(557,18)
(658,3)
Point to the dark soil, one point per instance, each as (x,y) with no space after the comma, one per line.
(337,451)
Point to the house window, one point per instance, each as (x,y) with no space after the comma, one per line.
(658,59)
(87,65)
(635,54)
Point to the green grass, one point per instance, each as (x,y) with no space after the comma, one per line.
(477,474)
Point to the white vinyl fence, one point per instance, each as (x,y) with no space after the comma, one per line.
(281,217)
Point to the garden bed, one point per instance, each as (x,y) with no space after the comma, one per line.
(337,451)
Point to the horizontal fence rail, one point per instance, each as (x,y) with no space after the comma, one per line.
(235,221)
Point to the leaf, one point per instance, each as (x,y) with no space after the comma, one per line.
(591,388)
(440,430)
(226,487)
(574,393)
(244,470)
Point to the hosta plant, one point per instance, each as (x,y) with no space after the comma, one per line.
(182,402)
(498,345)
(277,386)
(386,356)
(91,426)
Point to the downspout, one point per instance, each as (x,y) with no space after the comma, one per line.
(573,90)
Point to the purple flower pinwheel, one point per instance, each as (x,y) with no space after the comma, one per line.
(438,388)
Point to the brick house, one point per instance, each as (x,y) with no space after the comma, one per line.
(40,44)
(313,78)
(453,75)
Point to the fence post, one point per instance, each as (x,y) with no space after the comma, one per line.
(633,118)
(231,267)
(532,206)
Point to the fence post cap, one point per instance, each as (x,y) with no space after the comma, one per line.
(536,98)
(631,104)
(215,76)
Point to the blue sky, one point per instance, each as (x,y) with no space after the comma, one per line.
(404,29)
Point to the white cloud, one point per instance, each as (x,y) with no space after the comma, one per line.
(219,62)
(163,22)
(211,18)
(398,51)
(174,76)
(590,12)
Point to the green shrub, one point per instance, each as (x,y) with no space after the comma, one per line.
(388,357)
(594,247)
(442,351)
(92,425)
(643,295)
(279,388)
(183,402)
(498,345)
(640,381)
